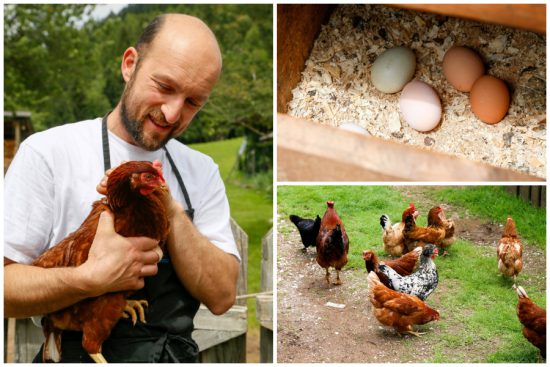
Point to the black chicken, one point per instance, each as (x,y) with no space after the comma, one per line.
(308,228)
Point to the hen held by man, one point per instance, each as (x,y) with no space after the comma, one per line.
(138,199)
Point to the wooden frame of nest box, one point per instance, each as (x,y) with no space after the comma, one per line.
(308,151)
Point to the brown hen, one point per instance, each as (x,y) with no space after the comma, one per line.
(393,233)
(138,198)
(419,236)
(533,319)
(332,243)
(399,310)
(405,265)
(510,251)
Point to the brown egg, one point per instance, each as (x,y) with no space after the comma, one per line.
(489,99)
(462,67)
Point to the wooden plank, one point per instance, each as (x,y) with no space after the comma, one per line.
(543,197)
(264,310)
(535,196)
(297,27)
(512,190)
(266,349)
(525,193)
(307,151)
(267,262)
(231,351)
(206,339)
(10,340)
(525,16)
(233,320)
(28,339)
(241,239)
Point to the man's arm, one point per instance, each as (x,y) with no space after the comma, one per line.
(114,263)
(207,272)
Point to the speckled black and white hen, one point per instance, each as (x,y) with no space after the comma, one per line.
(422,282)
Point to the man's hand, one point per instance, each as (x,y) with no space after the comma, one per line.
(117,263)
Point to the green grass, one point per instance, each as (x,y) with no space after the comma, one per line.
(493,202)
(477,305)
(251,208)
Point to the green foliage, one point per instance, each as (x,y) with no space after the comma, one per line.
(64,66)
(476,303)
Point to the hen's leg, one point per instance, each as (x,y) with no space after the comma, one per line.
(415,333)
(338,281)
(132,306)
(327,276)
(100,315)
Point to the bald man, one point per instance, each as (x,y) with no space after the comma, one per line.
(51,183)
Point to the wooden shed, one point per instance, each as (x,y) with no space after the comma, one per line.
(310,145)
(17,126)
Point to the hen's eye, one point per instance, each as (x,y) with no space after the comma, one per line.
(149,176)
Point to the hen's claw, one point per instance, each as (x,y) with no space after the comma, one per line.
(415,333)
(130,310)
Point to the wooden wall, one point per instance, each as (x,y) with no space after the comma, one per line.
(536,195)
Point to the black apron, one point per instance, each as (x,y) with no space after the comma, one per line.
(166,337)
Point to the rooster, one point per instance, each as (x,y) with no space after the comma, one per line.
(533,319)
(418,236)
(509,251)
(398,310)
(332,243)
(436,219)
(393,234)
(308,228)
(138,198)
(405,265)
(422,282)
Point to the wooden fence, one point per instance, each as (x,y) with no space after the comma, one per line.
(220,338)
(264,301)
(536,195)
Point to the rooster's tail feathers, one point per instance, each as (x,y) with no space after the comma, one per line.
(385,222)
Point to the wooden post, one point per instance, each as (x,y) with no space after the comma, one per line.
(264,302)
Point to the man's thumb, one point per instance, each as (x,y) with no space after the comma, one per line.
(106,222)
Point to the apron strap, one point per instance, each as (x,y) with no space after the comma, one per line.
(107,164)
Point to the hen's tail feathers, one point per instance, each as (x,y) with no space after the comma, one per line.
(98,358)
(385,222)
(51,349)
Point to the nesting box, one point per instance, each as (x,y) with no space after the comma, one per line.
(324,56)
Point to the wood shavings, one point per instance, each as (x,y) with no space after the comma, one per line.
(336,87)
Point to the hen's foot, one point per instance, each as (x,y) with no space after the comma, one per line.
(415,333)
(130,310)
(98,358)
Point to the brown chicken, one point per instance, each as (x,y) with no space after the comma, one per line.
(138,198)
(419,236)
(509,251)
(332,243)
(533,319)
(405,265)
(437,218)
(399,310)
(393,233)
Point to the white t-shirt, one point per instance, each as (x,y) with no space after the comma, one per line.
(50,186)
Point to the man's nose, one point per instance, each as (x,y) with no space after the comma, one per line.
(172,109)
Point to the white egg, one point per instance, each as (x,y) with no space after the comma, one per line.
(420,106)
(393,69)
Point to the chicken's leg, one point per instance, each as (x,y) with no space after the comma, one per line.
(327,276)
(415,333)
(131,307)
(338,281)
(98,358)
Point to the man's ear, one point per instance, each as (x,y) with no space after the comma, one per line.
(129,62)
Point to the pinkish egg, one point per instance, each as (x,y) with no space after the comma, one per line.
(420,106)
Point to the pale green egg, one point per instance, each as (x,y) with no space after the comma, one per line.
(393,69)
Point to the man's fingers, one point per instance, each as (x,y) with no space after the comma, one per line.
(158,251)
(106,223)
(149,270)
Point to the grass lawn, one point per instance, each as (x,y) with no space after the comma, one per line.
(251,208)
(477,304)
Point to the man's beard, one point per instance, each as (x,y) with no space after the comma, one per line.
(134,125)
